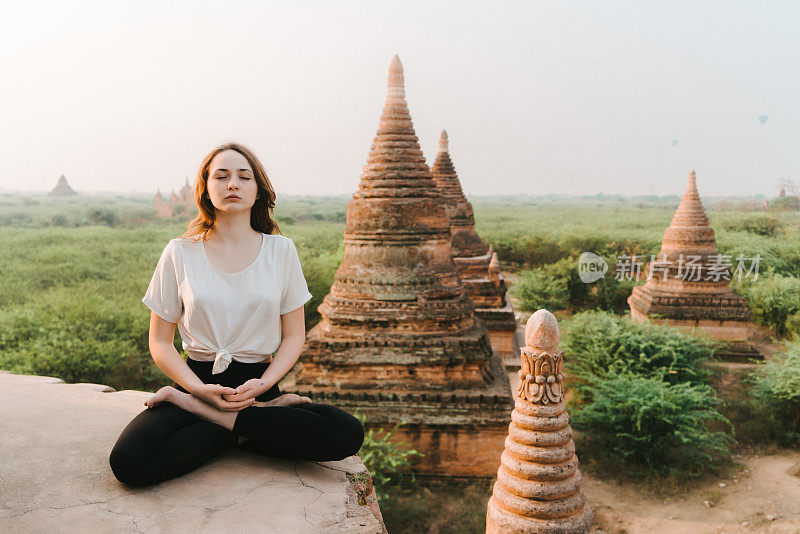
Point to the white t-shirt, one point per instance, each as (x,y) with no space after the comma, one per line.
(224,316)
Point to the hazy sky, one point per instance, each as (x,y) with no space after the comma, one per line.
(555,97)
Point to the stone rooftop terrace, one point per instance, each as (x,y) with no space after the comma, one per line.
(55,475)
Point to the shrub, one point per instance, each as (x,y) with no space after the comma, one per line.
(546,286)
(59,220)
(537,289)
(774,300)
(599,344)
(776,387)
(103,216)
(566,269)
(650,426)
(754,223)
(387,461)
(612,294)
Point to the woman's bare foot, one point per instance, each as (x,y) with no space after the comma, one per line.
(165,394)
(192,404)
(287,399)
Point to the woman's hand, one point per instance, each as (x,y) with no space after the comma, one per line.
(249,390)
(214,394)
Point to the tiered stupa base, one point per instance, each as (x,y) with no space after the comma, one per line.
(460,431)
(492,304)
(723,316)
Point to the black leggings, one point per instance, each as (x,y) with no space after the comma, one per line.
(166,441)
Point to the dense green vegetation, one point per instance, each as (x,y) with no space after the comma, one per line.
(641,396)
(775,392)
(646,426)
(603,345)
(775,301)
(74,271)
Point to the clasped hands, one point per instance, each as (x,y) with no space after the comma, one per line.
(229,399)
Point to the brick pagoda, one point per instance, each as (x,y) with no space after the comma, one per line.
(688,283)
(398,339)
(477,263)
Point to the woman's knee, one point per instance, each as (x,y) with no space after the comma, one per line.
(352,436)
(127,466)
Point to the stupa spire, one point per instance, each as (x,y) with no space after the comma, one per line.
(494,263)
(444,142)
(690,211)
(395,159)
(397,80)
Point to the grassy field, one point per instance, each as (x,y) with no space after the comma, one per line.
(75,268)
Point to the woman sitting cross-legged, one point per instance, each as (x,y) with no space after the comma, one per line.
(235,288)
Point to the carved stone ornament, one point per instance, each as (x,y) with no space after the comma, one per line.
(541,376)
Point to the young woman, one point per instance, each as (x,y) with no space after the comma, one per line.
(235,288)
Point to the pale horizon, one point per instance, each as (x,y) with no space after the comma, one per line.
(568,99)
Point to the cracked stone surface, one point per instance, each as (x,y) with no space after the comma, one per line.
(55,475)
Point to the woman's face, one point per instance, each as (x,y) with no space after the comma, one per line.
(230,174)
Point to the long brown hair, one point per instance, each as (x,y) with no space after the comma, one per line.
(261,212)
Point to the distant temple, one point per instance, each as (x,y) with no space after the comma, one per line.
(688,283)
(477,263)
(399,338)
(62,189)
(166,208)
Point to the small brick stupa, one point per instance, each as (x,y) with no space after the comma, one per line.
(477,263)
(398,339)
(538,486)
(62,189)
(688,283)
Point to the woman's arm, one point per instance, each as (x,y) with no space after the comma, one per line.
(162,334)
(293,334)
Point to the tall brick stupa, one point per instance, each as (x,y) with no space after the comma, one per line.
(688,283)
(477,262)
(398,339)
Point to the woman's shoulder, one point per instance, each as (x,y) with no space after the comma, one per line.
(279,239)
(185,241)
(178,245)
